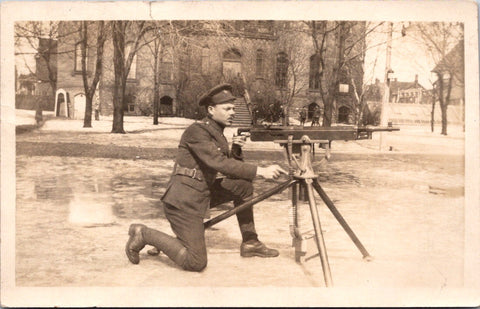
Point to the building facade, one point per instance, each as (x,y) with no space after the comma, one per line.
(276,61)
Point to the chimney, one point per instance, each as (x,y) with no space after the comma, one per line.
(416,79)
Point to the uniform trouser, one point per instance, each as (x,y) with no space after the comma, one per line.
(188,249)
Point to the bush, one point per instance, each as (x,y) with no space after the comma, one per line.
(33,102)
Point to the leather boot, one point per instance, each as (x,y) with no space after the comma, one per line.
(256,248)
(135,243)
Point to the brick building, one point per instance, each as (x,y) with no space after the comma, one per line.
(267,57)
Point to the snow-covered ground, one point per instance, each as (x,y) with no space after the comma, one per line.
(408,211)
(410,139)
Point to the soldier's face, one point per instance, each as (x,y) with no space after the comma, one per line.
(223,113)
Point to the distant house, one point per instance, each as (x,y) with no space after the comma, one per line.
(400,92)
(410,102)
(25,84)
(409,92)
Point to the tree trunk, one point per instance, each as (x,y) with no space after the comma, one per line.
(328,113)
(444,118)
(90,91)
(120,77)
(445,107)
(155,109)
(118,97)
(87,120)
(432,119)
(328,104)
(155,87)
(38,116)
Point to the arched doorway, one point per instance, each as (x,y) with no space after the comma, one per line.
(166,106)
(343,114)
(79,102)
(61,103)
(311,108)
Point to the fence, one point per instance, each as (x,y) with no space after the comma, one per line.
(408,113)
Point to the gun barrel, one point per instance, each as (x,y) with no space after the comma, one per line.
(346,133)
(378,129)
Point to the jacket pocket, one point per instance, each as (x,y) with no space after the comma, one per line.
(196,184)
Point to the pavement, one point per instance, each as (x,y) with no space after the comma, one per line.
(82,187)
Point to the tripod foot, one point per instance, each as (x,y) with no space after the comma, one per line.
(368,258)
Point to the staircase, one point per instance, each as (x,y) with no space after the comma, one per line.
(242,116)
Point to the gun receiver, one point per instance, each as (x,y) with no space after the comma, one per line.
(282,133)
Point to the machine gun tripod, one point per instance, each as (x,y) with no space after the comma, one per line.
(301,175)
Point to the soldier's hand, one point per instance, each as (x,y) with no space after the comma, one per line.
(240,140)
(270,172)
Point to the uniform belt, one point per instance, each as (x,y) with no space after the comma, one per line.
(190,172)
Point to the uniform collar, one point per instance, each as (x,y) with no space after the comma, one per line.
(209,121)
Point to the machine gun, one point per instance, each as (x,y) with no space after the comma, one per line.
(299,142)
(277,133)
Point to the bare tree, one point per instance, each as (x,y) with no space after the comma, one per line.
(297,61)
(40,40)
(443,42)
(122,33)
(91,88)
(342,64)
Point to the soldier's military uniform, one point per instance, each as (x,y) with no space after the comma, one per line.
(203,153)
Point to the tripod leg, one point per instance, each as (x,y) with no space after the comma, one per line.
(322,250)
(341,220)
(249,203)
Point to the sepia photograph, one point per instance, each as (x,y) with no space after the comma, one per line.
(240,153)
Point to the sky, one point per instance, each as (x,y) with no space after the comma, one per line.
(407,58)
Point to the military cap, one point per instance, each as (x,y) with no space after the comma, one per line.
(217,95)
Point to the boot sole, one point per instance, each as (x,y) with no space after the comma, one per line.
(131,258)
(134,259)
(252,254)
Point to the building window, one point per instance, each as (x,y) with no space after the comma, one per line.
(166,75)
(205,53)
(232,66)
(314,77)
(166,66)
(132,74)
(260,64)
(131,108)
(78,57)
(281,70)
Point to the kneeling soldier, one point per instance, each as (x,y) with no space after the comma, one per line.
(194,187)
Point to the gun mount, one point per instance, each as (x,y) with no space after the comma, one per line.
(299,140)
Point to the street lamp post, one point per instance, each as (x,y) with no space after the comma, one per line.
(388,76)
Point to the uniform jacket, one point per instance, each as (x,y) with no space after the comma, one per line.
(204,147)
